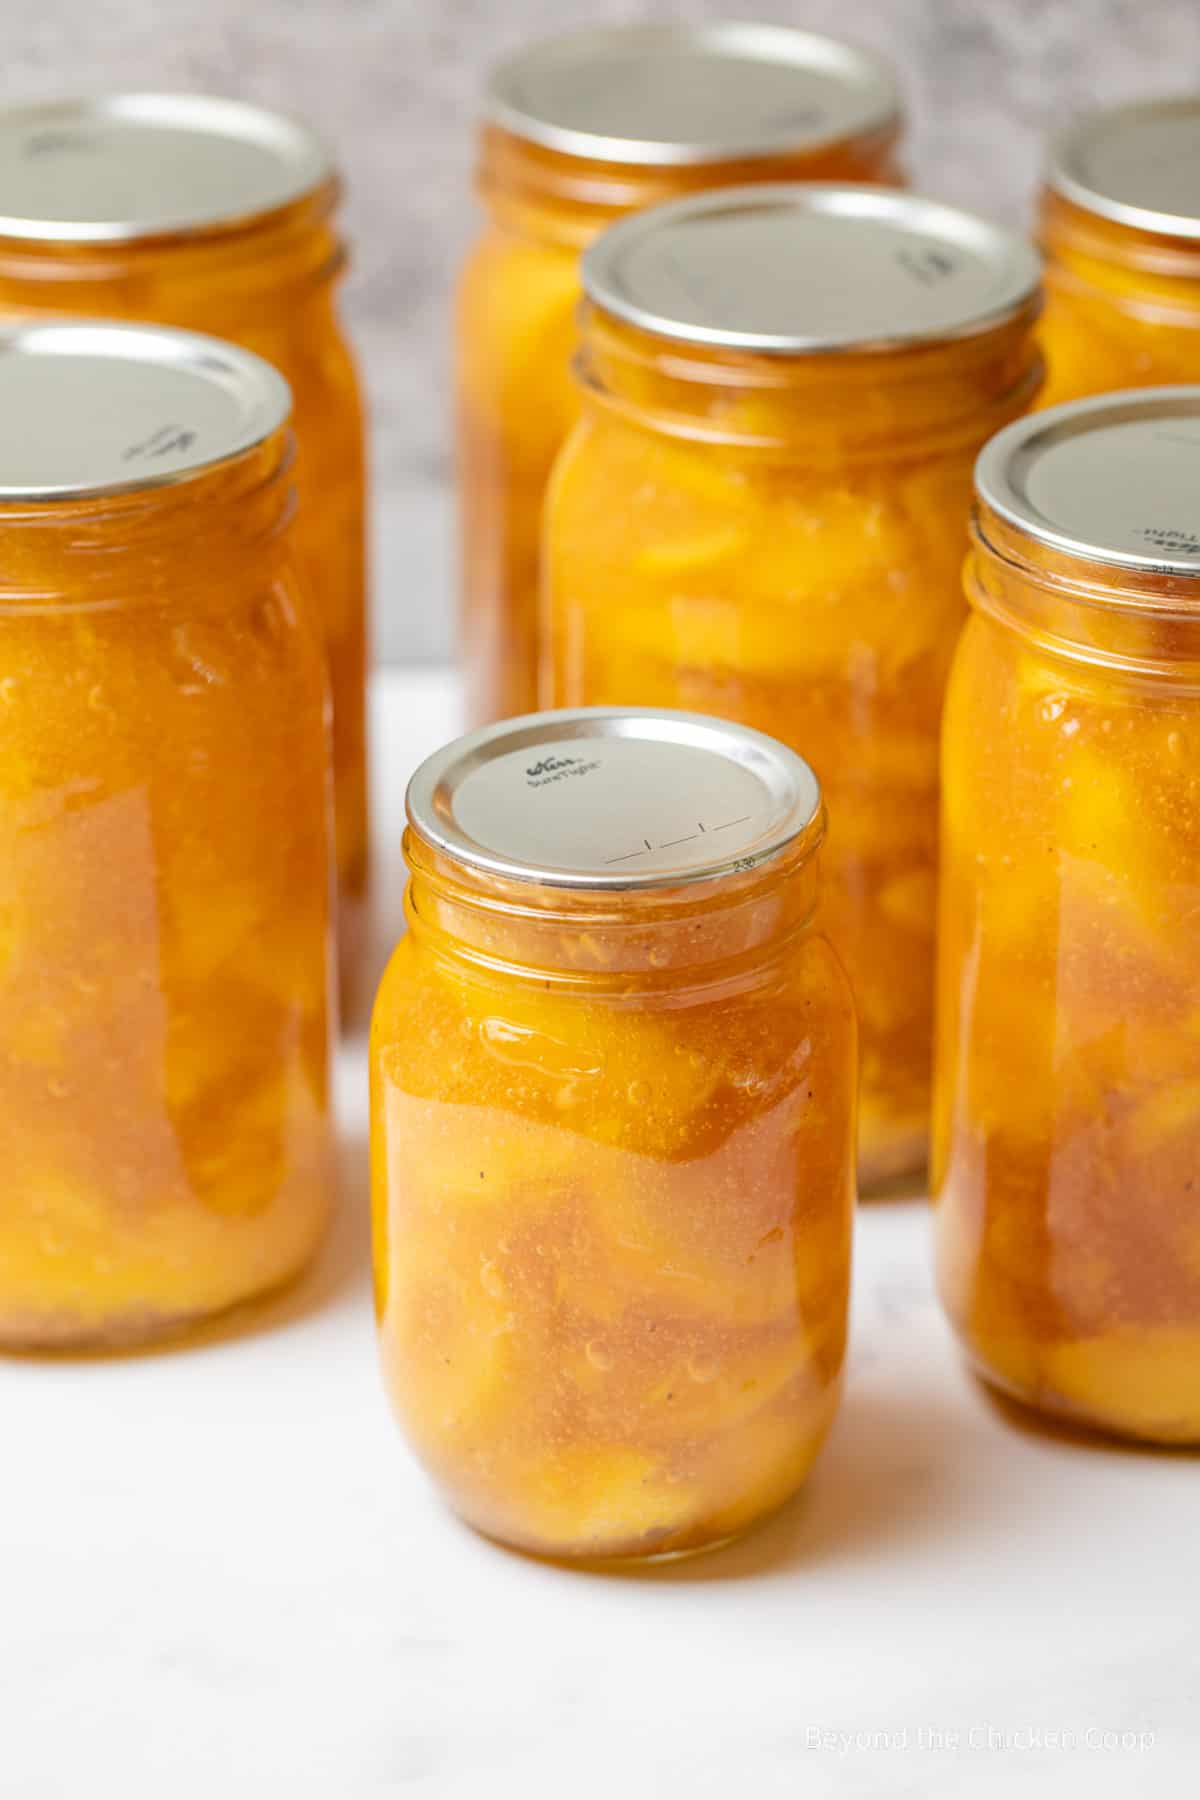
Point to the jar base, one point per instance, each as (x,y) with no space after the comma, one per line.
(146,1331)
(69,1338)
(1039,1407)
(898,1170)
(631,1562)
(628,1562)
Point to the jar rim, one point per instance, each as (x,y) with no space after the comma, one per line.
(217,165)
(621,797)
(1083,479)
(100,409)
(596,95)
(1106,161)
(685,271)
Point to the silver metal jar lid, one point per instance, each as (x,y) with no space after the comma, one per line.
(1113,479)
(690,94)
(613,797)
(1138,165)
(88,410)
(795,268)
(133,166)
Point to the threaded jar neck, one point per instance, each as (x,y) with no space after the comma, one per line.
(618,945)
(1143,624)
(149,544)
(554,198)
(231,272)
(833,408)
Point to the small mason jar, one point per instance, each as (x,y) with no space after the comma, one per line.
(1120,226)
(579,131)
(1067,1136)
(218,217)
(763,514)
(165,972)
(612,1074)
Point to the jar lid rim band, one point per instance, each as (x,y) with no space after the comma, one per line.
(802,268)
(96,409)
(1133,164)
(1111,479)
(129,166)
(609,798)
(691,95)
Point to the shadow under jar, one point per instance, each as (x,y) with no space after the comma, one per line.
(165,950)
(763,513)
(218,217)
(1067,1138)
(1120,227)
(579,131)
(612,1124)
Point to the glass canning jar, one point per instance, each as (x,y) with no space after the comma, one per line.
(1067,1130)
(579,131)
(1120,226)
(218,217)
(612,1125)
(763,515)
(164,841)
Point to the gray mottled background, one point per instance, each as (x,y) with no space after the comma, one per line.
(393,84)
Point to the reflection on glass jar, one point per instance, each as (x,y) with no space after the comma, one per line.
(762,515)
(1120,225)
(581,131)
(1068,1094)
(218,217)
(164,841)
(612,1126)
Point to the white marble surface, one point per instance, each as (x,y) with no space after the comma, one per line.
(221,1575)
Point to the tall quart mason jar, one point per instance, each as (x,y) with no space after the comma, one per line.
(578,131)
(219,217)
(763,513)
(165,950)
(1120,225)
(612,1070)
(1068,1067)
